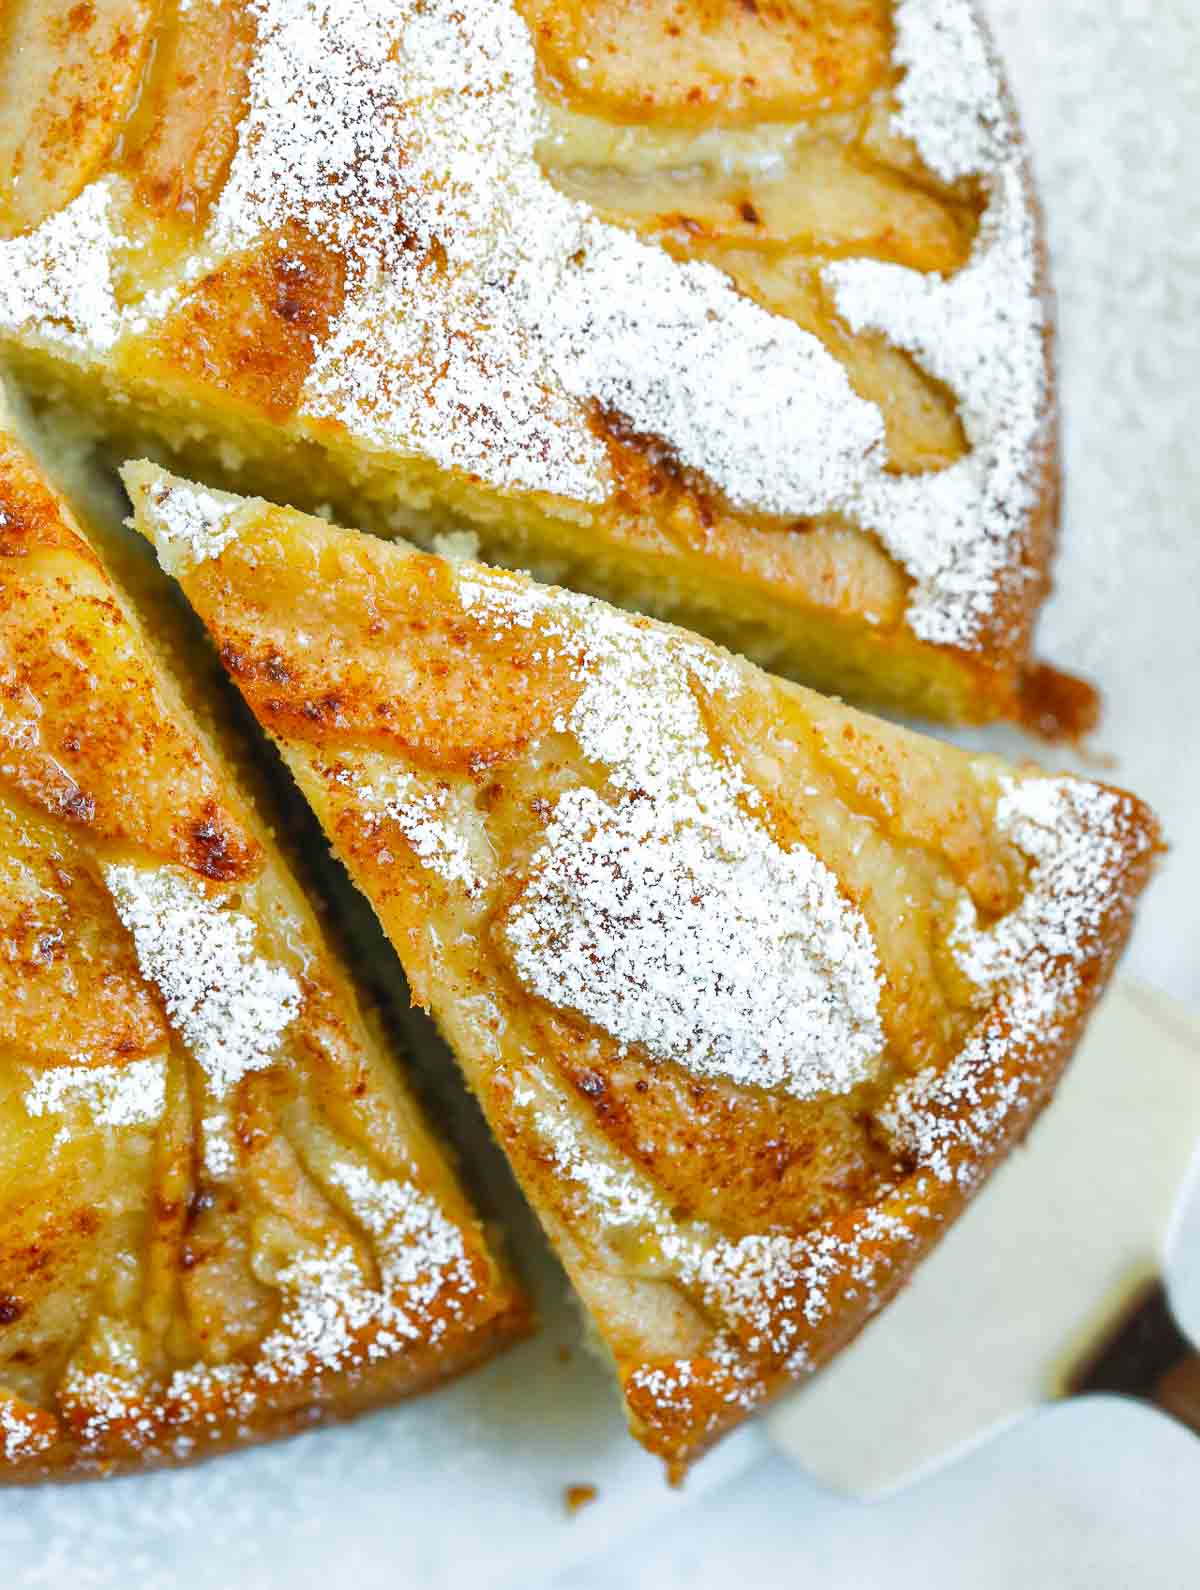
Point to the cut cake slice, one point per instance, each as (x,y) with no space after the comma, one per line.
(754,990)
(221,1215)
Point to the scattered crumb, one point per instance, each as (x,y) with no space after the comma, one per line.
(460,546)
(577,1496)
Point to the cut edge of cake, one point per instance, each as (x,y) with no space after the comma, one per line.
(273,375)
(393,1285)
(782,1302)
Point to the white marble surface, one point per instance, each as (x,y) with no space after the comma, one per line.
(1085,1497)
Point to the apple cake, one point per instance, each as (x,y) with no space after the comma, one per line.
(754,990)
(735,313)
(221,1215)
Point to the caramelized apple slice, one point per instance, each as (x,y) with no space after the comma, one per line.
(920,416)
(715,61)
(83,722)
(418,694)
(824,201)
(62,942)
(69,73)
(186,128)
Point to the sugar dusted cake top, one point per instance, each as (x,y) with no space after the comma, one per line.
(755,991)
(222,1217)
(387,169)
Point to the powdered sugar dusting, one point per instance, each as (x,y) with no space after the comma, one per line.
(230,1005)
(340,1309)
(769,1290)
(438,819)
(569,307)
(784,1287)
(133,1094)
(771,1293)
(951,99)
(619,1196)
(333,1318)
(218,1148)
(430,352)
(190,523)
(774,1293)
(673,1387)
(23,1435)
(959,533)
(416,1243)
(486,312)
(56,283)
(1028,966)
(670,916)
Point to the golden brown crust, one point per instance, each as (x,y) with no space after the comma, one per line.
(251,328)
(227,379)
(182,1427)
(717,62)
(703,1406)
(190,1260)
(727,1234)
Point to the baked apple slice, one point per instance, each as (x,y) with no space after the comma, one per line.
(69,75)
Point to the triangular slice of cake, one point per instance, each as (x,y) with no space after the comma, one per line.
(754,990)
(221,1216)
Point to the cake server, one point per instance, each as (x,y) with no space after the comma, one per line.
(1050,1285)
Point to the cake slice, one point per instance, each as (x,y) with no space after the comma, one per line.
(733,313)
(754,990)
(221,1215)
